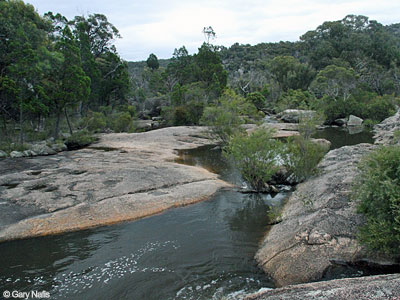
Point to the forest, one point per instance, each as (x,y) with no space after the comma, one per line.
(59,77)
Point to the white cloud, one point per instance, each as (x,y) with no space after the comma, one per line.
(157,26)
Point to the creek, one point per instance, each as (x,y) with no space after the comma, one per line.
(201,251)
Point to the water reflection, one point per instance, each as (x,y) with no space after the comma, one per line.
(340,137)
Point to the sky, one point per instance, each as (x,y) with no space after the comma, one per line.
(160,26)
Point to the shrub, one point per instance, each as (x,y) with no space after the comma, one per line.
(302,157)
(256,156)
(377,191)
(227,115)
(294,99)
(308,124)
(95,122)
(122,122)
(257,99)
(181,116)
(79,140)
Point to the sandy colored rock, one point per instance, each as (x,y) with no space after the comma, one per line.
(123,177)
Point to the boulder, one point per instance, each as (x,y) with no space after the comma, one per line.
(29,153)
(354,121)
(340,122)
(16,154)
(380,287)
(384,132)
(319,224)
(294,115)
(42,149)
(3,154)
(59,147)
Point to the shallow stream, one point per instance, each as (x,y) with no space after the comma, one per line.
(202,251)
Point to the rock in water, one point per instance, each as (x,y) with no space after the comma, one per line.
(354,121)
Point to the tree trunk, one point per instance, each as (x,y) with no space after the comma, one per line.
(21,131)
(57,127)
(69,124)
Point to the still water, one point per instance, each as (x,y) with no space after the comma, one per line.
(202,251)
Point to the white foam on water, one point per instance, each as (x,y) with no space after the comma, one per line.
(76,282)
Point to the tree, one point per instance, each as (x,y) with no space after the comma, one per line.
(256,157)
(335,82)
(100,61)
(152,62)
(23,48)
(67,82)
(209,33)
(290,73)
(209,69)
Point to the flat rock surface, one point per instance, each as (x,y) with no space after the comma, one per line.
(383,287)
(319,224)
(122,177)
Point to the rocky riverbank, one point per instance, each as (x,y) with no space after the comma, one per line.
(319,226)
(122,177)
(382,287)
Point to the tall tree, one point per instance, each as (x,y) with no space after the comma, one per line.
(152,62)
(67,82)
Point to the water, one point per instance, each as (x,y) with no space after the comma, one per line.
(340,137)
(202,251)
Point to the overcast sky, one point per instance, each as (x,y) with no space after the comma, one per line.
(160,26)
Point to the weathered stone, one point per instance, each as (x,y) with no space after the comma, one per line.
(319,224)
(3,154)
(123,177)
(42,149)
(381,287)
(340,122)
(16,154)
(59,147)
(354,121)
(29,153)
(278,133)
(384,132)
(294,115)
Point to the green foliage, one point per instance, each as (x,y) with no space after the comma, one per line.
(227,115)
(95,122)
(257,99)
(256,156)
(377,192)
(334,81)
(10,147)
(308,124)
(295,99)
(290,73)
(302,157)
(122,122)
(79,140)
(152,62)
